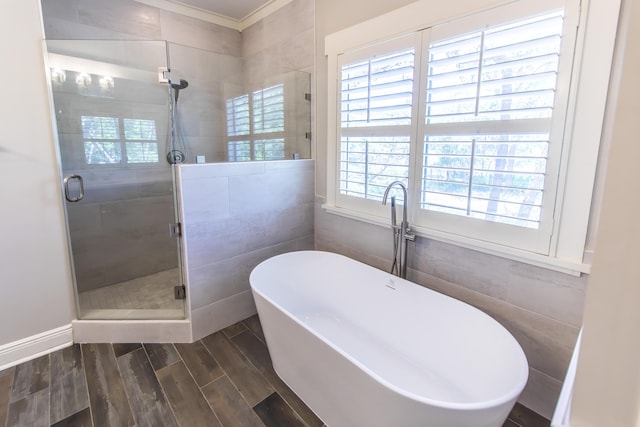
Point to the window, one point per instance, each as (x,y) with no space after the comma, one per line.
(103,143)
(255,125)
(477,116)
(502,79)
(376,110)
(487,99)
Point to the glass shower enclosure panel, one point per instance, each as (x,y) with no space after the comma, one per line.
(113,122)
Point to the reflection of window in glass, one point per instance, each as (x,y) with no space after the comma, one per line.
(269,149)
(255,125)
(268,109)
(238,122)
(95,130)
(239,151)
(140,143)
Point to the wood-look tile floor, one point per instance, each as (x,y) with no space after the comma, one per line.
(225,379)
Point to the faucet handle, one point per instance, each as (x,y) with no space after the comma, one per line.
(409,236)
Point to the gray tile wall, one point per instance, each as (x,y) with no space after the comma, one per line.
(218,62)
(281,42)
(109,248)
(541,308)
(130,20)
(237,215)
(280,49)
(213,78)
(207,55)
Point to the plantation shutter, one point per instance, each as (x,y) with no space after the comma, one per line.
(375,124)
(488,104)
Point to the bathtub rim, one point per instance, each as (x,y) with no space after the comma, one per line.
(512,394)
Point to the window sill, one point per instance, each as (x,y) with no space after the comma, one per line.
(560,265)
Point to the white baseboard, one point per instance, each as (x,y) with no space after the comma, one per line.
(16,352)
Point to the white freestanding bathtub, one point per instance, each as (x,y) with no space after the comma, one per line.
(364,348)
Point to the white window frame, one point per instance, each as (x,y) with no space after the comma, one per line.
(576,167)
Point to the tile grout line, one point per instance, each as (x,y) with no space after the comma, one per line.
(200,388)
(86,381)
(170,364)
(227,374)
(126,393)
(259,373)
(275,390)
(196,382)
(155,374)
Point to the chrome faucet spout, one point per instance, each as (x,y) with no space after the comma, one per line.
(401,233)
(404,194)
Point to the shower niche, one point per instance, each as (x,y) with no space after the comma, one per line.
(126,112)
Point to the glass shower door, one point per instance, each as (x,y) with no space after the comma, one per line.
(112,115)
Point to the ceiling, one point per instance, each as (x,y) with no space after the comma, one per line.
(236,10)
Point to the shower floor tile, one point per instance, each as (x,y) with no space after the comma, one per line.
(148,297)
(157,384)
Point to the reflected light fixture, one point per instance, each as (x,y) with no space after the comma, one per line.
(106,82)
(58,75)
(83,79)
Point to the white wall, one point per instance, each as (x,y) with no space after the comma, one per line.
(607,388)
(35,277)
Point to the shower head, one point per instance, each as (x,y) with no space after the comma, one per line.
(177,87)
(182,85)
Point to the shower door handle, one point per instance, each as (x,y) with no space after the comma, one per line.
(67,194)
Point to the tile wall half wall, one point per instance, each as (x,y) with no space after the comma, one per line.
(237,215)
(541,308)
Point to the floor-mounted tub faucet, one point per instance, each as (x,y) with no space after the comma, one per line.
(401,234)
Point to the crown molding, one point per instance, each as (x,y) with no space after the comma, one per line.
(214,18)
(262,12)
(193,12)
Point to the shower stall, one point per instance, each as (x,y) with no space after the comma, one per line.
(128,113)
